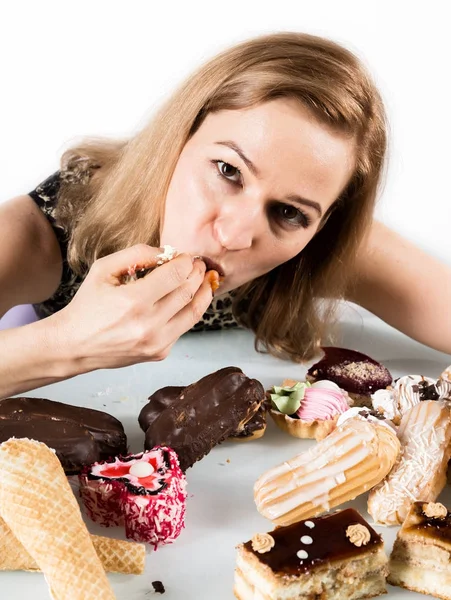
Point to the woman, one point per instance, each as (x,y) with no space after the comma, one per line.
(267,163)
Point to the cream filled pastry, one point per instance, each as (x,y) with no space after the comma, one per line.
(356,456)
(420,472)
(308,411)
(408,391)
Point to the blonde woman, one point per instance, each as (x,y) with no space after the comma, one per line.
(267,163)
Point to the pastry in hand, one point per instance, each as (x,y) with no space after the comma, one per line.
(333,557)
(306,410)
(420,473)
(39,507)
(420,558)
(356,456)
(352,371)
(145,492)
(407,391)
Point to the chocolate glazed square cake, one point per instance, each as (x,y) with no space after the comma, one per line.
(335,557)
(420,560)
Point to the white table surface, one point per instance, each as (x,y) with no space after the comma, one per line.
(220,511)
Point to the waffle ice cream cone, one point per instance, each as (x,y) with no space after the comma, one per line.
(420,473)
(37,504)
(351,460)
(116,556)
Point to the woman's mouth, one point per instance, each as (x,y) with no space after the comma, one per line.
(213,266)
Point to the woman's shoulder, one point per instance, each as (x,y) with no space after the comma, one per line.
(45,195)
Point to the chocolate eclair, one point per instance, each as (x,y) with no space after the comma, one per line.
(166,396)
(354,372)
(196,418)
(80,436)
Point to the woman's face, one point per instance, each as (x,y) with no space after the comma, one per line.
(251,186)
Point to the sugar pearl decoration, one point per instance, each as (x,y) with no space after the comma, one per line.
(309,524)
(302,554)
(141,469)
(306,539)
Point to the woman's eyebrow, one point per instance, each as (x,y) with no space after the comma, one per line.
(253,169)
(233,146)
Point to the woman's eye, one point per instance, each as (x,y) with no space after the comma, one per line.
(228,171)
(291,215)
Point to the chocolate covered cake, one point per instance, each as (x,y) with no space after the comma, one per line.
(167,396)
(192,420)
(354,372)
(80,436)
(333,557)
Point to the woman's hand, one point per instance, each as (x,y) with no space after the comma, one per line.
(110,324)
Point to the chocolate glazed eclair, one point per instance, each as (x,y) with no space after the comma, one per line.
(192,420)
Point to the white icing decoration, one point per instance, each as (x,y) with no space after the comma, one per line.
(326,385)
(141,469)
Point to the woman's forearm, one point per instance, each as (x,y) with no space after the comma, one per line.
(32,356)
(405,287)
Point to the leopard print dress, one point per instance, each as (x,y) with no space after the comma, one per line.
(219,315)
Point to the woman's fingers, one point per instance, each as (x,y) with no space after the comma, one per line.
(160,281)
(176,300)
(114,267)
(191,314)
(173,276)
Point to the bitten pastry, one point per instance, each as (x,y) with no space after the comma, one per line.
(37,504)
(80,436)
(168,396)
(420,473)
(356,456)
(420,558)
(308,411)
(146,492)
(214,273)
(333,557)
(205,414)
(352,371)
(396,400)
(116,556)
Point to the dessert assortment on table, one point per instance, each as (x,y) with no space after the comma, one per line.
(389,438)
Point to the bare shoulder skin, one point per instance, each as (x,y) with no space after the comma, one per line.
(405,287)
(30,258)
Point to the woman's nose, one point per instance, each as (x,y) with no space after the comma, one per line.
(236,228)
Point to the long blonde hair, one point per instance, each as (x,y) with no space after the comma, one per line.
(121,201)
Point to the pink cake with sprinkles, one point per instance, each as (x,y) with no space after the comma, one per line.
(144,492)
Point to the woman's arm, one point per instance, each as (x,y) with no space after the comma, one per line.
(30,258)
(106,325)
(405,287)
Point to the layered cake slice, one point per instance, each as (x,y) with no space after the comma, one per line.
(332,557)
(420,560)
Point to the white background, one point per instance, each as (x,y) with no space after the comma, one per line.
(70,69)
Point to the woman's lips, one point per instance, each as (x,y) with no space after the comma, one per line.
(213,266)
